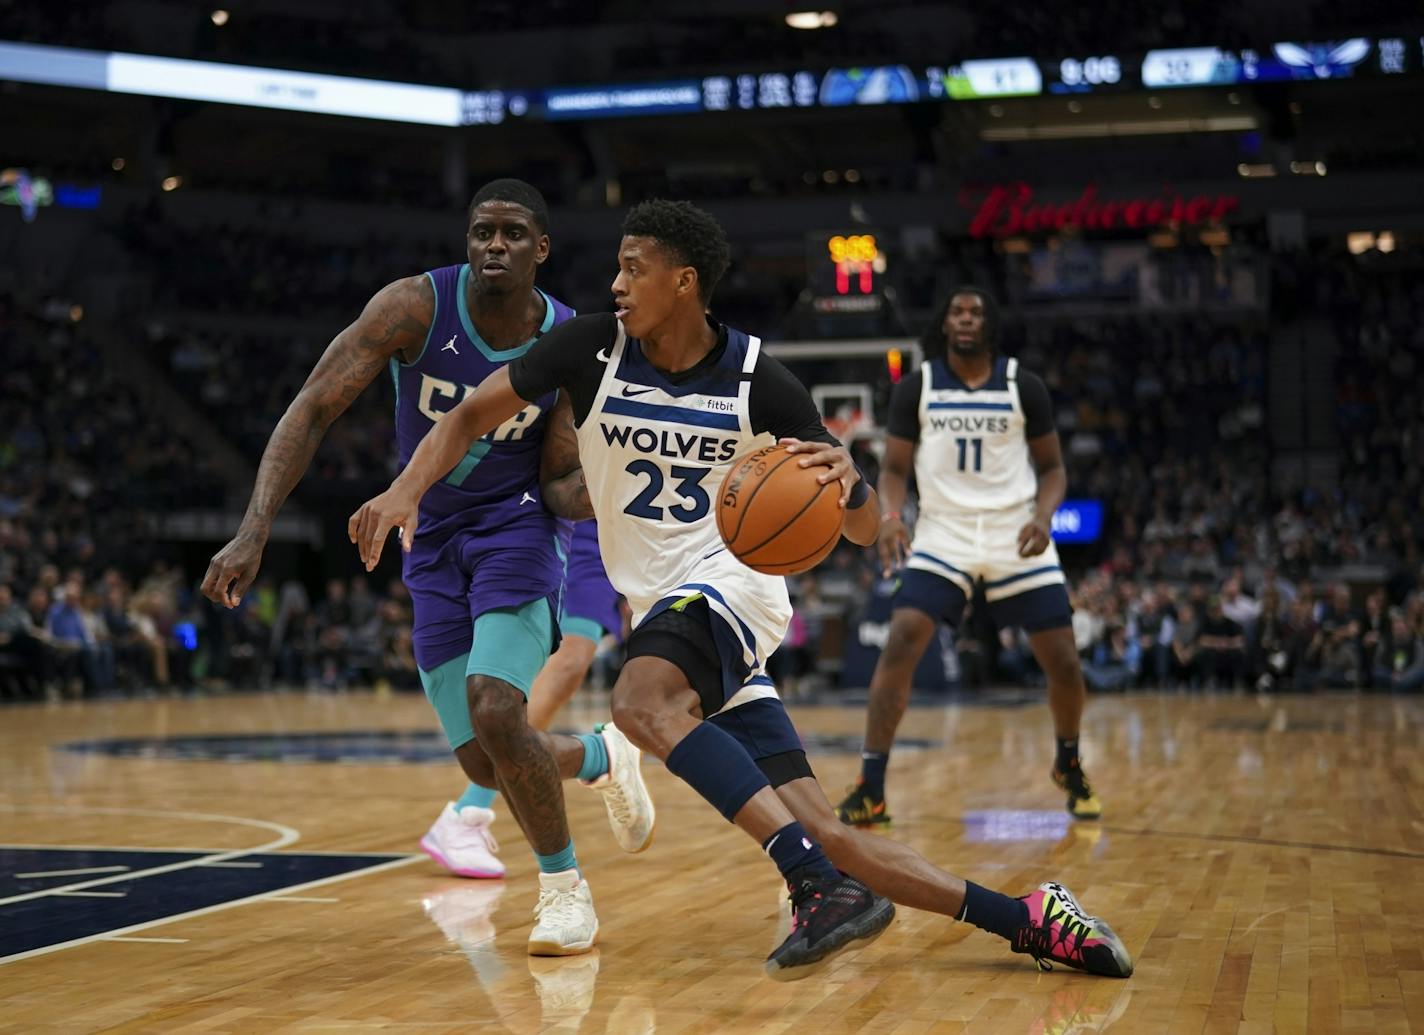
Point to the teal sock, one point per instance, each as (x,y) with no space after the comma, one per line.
(595,756)
(480,797)
(559,861)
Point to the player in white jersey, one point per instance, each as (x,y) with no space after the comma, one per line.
(990,475)
(664,398)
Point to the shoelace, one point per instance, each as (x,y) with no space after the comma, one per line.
(805,900)
(481,836)
(557,908)
(1039,941)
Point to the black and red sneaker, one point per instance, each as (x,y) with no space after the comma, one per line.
(827,917)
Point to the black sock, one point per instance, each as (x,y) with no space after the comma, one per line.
(792,850)
(1067,753)
(992,912)
(872,772)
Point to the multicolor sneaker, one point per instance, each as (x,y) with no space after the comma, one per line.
(1082,802)
(460,840)
(625,796)
(862,809)
(1058,931)
(827,917)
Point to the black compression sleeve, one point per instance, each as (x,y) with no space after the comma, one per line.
(903,420)
(1037,406)
(567,357)
(780,404)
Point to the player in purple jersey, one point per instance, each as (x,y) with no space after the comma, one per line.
(486,575)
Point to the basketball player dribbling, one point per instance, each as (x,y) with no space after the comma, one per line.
(485,577)
(979,431)
(664,398)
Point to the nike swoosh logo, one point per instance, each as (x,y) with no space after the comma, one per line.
(603,356)
(628,394)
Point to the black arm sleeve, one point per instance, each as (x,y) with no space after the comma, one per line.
(567,357)
(780,404)
(1037,407)
(903,421)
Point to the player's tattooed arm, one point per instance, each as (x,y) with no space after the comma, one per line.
(394,322)
(561,477)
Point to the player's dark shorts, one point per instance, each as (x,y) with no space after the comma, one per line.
(1034,610)
(452,583)
(692,639)
(590,601)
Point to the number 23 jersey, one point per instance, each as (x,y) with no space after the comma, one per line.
(655,446)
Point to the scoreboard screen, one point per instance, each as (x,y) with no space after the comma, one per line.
(845,271)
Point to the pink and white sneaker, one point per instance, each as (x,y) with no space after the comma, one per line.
(1059,930)
(460,840)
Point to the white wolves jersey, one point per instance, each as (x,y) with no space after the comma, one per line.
(973,442)
(654,449)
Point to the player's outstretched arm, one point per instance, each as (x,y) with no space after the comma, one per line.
(561,480)
(395,320)
(491,404)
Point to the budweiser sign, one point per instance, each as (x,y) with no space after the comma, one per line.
(1009,209)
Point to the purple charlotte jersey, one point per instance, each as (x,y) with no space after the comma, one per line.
(587,592)
(485,539)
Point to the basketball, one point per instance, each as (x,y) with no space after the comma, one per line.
(775,516)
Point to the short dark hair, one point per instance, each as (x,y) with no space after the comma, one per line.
(934,342)
(687,234)
(516,192)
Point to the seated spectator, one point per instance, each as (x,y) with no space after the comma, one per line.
(1399,657)
(1222,648)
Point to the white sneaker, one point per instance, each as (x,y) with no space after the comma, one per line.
(567,925)
(461,842)
(630,808)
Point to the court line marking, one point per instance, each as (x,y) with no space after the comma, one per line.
(155,941)
(145,925)
(285,836)
(1270,842)
(92,894)
(71,873)
(186,851)
(235,865)
(299,898)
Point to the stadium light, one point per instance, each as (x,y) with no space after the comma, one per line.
(811,19)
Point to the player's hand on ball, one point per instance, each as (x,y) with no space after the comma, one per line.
(893,544)
(369,526)
(836,458)
(233,568)
(1033,538)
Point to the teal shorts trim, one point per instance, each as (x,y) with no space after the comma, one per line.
(572,625)
(510,644)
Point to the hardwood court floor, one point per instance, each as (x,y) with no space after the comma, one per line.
(1261,857)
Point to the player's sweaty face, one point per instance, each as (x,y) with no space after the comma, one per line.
(504,246)
(964,323)
(645,290)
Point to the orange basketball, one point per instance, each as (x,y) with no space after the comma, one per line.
(773,514)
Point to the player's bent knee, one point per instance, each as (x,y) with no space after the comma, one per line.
(475,763)
(497,713)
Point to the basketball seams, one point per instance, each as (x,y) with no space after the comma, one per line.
(789,522)
(795,567)
(746,506)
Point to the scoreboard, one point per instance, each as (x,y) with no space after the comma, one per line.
(845,271)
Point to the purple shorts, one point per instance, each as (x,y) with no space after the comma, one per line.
(589,598)
(454,582)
